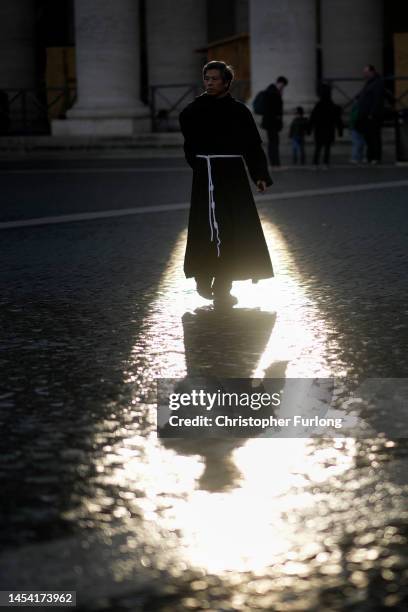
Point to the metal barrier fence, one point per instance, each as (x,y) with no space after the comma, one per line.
(29,111)
(166,102)
(345,91)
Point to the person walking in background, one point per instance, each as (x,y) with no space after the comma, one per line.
(297,132)
(357,139)
(324,120)
(272,119)
(371,113)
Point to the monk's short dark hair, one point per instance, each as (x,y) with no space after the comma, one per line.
(282,79)
(226,71)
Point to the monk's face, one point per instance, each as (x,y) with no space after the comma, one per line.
(213,83)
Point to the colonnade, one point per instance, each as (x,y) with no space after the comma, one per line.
(283,39)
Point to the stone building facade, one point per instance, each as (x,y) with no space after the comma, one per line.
(124,47)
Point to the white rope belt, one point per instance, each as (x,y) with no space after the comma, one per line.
(211,202)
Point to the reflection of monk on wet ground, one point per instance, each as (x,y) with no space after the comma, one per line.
(225,344)
(220,346)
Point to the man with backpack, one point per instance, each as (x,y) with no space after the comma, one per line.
(269,104)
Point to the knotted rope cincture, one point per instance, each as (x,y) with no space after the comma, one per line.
(211,202)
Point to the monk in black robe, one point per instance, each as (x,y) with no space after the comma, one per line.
(225,238)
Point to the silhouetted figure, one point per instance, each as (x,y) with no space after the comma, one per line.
(272,120)
(371,113)
(225,239)
(297,132)
(324,120)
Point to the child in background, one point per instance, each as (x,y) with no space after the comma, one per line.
(297,132)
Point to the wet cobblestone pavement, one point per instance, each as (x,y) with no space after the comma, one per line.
(94,312)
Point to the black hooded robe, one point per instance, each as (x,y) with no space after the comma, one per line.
(237,251)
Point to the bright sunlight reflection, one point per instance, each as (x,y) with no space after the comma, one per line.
(229,500)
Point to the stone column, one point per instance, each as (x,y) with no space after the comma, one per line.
(283,42)
(352,37)
(17,44)
(174,31)
(108,71)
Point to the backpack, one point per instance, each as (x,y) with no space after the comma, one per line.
(259,103)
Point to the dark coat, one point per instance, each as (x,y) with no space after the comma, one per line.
(325,118)
(224,126)
(272,118)
(371,100)
(299,128)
